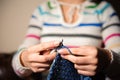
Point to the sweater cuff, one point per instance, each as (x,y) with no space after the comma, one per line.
(113,71)
(19,69)
(104,59)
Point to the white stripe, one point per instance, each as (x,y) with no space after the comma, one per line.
(77,41)
(79,30)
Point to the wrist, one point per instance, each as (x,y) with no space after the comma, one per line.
(21,57)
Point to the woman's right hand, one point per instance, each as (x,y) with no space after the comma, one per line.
(38,57)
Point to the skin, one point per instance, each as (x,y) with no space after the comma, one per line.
(65,10)
(38,57)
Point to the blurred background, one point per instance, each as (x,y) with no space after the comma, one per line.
(14,19)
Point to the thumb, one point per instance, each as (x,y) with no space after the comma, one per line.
(44,46)
(52,56)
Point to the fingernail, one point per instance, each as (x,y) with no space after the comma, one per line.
(62,55)
(59,51)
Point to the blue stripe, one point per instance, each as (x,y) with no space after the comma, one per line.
(113,14)
(103,9)
(42,12)
(51,24)
(80,25)
(91,24)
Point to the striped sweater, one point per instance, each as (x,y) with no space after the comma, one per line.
(98,24)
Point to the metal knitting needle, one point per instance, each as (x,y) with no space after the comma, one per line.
(60,44)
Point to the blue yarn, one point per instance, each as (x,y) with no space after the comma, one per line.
(63,69)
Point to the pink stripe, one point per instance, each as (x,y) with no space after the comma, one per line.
(33,36)
(110,36)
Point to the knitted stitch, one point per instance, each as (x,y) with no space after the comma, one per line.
(63,69)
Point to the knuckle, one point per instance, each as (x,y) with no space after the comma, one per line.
(79,72)
(46,59)
(30,58)
(43,46)
(75,66)
(32,65)
(85,60)
(76,60)
(95,51)
(92,73)
(94,68)
(94,61)
(34,70)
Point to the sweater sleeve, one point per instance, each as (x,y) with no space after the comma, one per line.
(111,39)
(32,37)
(17,66)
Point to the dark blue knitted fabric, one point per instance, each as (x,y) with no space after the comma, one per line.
(63,69)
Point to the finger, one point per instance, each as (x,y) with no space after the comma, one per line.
(37,58)
(38,69)
(80,51)
(87,73)
(85,67)
(42,69)
(80,59)
(44,46)
(40,65)
(40,58)
(50,57)
(45,52)
(75,51)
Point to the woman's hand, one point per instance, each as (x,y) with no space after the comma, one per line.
(84,58)
(38,57)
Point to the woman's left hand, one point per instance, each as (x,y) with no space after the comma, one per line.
(84,58)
